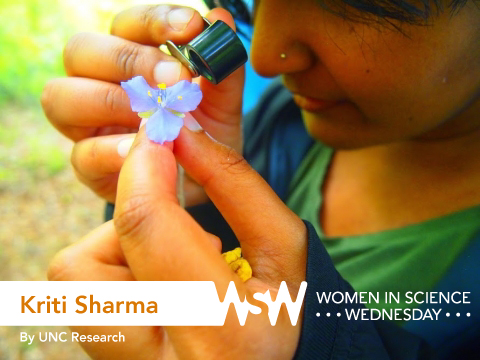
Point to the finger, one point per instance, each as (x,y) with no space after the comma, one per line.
(98,257)
(159,238)
(98,160)
(155,24)
(216,242)
(113,59)
(272,237)
(95,158)
(78,107)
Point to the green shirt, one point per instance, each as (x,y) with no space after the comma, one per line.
(412,258)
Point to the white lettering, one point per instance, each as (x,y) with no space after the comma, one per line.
(61,338)
(24,337)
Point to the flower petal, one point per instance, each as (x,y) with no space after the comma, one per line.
(183,96)
(137,90)
(163,126)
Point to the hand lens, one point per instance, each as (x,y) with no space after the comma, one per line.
(214,54)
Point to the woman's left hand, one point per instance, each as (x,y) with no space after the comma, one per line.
(152,238)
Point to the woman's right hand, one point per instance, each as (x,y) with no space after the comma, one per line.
(91,108)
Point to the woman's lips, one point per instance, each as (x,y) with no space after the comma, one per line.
(311,104)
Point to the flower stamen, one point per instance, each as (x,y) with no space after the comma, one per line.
(163,93)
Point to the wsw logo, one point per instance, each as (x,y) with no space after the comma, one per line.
(283,297)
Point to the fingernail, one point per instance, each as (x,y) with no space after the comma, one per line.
(178,19)
(124,146)
(167,72)
(192,124)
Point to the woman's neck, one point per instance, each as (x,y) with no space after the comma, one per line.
(388,186)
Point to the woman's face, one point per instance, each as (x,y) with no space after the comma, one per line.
(373,84)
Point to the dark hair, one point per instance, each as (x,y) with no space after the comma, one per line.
(405,11)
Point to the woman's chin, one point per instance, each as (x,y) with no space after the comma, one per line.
(342,131)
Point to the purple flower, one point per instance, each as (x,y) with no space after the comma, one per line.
(164,107)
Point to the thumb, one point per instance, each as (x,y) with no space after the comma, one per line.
(272,237)
(158,237)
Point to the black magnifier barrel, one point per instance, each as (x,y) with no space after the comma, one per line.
(214,54)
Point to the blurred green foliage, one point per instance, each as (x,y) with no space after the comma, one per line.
(32,36)
(33,33)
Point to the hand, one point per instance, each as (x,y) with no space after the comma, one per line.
(153,238)
(90,107)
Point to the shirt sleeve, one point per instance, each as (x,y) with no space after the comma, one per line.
(336,337)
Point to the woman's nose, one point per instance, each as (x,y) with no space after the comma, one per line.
(277,46)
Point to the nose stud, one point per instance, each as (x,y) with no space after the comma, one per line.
(283,55)
(214,54)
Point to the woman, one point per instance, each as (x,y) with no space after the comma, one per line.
(390,91)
